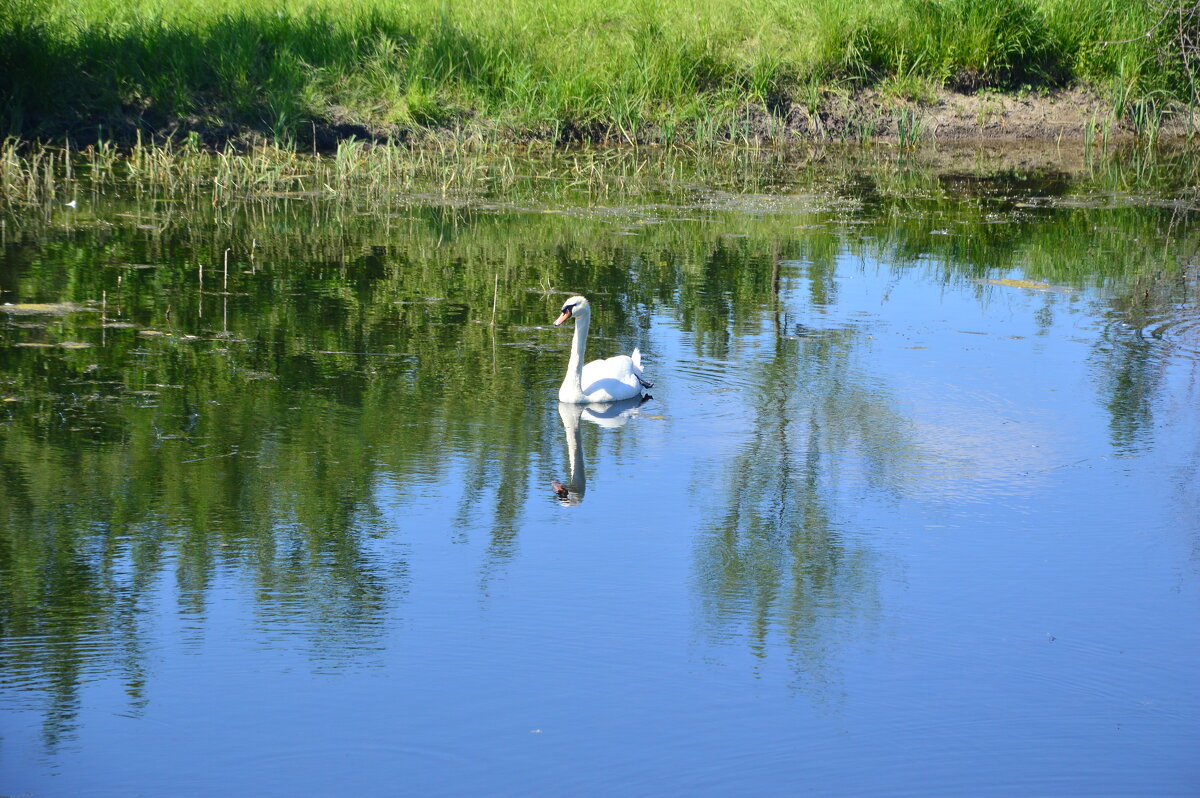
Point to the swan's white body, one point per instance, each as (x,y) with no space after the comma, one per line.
(609,380)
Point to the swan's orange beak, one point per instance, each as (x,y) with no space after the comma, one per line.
(566,314)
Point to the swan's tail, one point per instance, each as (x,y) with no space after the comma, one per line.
(636,357)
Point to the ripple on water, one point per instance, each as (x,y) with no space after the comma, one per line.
(1179,330)
(24,672)
(715,387)
(711,374)
(1175,331)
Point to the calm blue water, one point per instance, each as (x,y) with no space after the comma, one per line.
(889,524)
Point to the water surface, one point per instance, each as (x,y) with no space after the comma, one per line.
(912,508)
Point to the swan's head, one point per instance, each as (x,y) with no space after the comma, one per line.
(575,306)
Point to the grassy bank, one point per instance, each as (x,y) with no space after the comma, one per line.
(314,71)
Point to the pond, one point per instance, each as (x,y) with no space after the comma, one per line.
(288,505)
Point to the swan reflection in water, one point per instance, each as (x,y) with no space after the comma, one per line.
(610,414)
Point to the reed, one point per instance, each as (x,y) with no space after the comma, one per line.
(356,171)
(909,127)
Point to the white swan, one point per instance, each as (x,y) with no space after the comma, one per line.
(608,380)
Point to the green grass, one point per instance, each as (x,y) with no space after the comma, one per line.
(627,70)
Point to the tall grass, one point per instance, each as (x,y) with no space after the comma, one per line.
(567,69)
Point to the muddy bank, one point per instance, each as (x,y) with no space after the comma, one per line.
(1032,118)
(1065,115)
(868,116)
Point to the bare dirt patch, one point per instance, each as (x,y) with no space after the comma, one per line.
(1067,115)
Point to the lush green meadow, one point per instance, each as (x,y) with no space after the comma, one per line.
(673,70)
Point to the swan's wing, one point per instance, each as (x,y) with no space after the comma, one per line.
(616,368)
(611,380)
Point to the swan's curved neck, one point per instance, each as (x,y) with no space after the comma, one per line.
(572,384)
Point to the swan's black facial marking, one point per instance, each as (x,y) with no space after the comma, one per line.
(567,312)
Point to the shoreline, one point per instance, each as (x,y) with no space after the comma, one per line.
(1063,133)
(868,116)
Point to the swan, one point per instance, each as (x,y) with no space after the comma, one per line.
(600,381)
